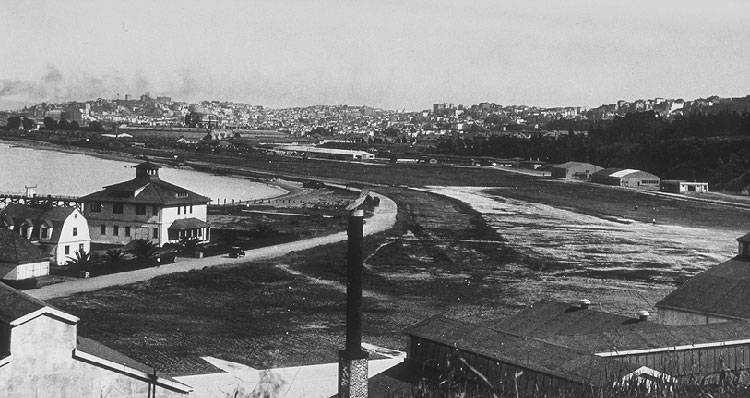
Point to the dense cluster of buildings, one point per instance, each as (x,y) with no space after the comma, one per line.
(33,236)
(514,120)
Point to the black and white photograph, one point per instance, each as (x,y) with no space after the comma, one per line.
(374,198)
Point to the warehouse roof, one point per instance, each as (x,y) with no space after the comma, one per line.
(623,173)
(573,164)
(722,290)
(313,149)
(616,172)
(662,338)
(528,353)
(550,318)
(594,331)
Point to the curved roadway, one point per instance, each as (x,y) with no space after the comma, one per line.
(383,218)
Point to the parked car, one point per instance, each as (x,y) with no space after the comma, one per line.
(167,257)
(236,251)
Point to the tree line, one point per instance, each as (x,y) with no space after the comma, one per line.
(18,122)
(700,146)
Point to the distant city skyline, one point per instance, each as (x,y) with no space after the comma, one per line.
(387,54)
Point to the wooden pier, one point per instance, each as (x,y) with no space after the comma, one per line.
(37,200)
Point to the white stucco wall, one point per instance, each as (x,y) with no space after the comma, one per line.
(28,270)
(78,221)
(141,226)
(43,365)
(169,215)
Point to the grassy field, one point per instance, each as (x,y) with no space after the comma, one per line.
(440,258)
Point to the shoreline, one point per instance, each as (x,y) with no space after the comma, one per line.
(276,183)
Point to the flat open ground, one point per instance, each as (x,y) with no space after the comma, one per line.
(537,239)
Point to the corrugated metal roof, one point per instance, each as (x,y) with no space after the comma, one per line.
(529,353)
(550,318)
(722,290)
(662,337)
(594,331)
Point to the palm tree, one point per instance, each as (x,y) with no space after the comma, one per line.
(143,249)
(114,256)
(81,261)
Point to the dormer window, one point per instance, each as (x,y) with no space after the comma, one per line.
(181,194)
(43,232)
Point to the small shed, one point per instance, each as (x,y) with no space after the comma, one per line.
(682,186)
(19,258)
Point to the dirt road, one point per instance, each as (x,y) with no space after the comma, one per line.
(383,218)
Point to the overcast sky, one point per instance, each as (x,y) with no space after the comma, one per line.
(393,54)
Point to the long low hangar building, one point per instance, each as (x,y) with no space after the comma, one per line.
(630,178)
(324,153)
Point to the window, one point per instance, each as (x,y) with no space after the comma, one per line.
(80,247)
(127,231)
(191,209)
(67,250)
(156,233)
(179,208)
(96,207)
(156,210)
(43,233)
(103,229)
(75,231)
(117,208)
(115,230)
(140,210)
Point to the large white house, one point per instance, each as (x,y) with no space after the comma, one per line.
(59,231)
(146,207)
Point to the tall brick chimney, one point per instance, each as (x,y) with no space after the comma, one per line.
(744,252)
(353,360)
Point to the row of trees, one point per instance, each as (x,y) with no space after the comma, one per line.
(17,122)
(711,147)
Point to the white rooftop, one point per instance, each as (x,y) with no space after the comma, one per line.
(623,173)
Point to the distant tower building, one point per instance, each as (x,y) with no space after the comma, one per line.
(55,114)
